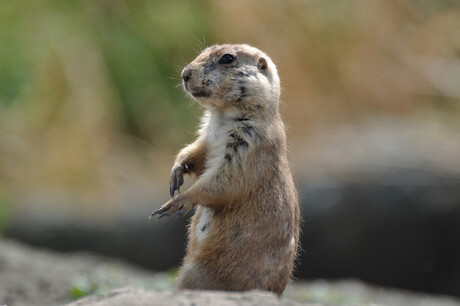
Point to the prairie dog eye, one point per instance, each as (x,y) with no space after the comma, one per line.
(226,59)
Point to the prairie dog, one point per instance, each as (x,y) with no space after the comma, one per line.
(245,231)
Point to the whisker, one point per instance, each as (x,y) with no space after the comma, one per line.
(204,42)
(191,103)
(200,47)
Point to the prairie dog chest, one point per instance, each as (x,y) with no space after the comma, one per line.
(217,130)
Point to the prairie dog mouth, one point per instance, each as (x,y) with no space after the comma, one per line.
(200,94)
(195,92)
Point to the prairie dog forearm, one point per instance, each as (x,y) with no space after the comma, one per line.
(193,156)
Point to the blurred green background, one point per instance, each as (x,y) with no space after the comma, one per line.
(90,96)
(92,111)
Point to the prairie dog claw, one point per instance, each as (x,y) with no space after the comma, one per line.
(177,177)
(178,206)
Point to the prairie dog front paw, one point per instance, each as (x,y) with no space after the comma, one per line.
(177,177)
(178,205)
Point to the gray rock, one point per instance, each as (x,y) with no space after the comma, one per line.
(129,296)
(30,276)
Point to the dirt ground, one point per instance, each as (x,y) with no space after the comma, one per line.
(32,276)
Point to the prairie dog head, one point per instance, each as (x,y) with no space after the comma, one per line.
(237,77)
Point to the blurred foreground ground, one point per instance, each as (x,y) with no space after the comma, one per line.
(32,276)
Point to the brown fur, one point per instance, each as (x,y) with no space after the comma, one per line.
(245,231)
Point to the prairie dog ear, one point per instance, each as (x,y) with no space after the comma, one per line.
(262,64)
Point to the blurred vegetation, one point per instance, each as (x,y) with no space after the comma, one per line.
(90,91)
(85,85)
(4,213)
(81,287)
(128,54)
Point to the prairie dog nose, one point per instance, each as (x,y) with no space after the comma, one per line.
(186,73)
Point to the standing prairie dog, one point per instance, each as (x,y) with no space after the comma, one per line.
(245,231)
